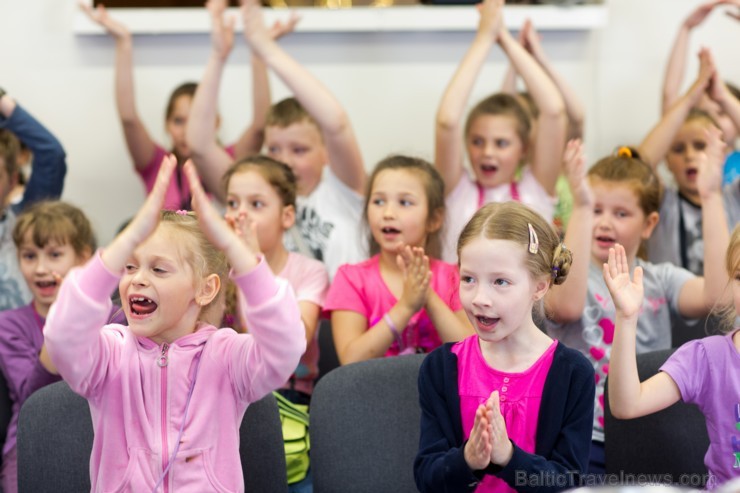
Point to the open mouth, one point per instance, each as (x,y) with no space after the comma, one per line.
(141,305)
(691,173)
(489,168)
(46,287)
(390,231)
(605,241)
(486,322)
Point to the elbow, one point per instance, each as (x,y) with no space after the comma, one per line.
(621,412)
(446,122)
(554,113)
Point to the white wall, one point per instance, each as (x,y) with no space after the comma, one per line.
(390,84)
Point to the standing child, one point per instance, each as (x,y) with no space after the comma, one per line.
(260,194)
(680,138)
(400,300)
(147,155)
(51,238)
(168,393)
(508,408)
(308,133)
(619,204)
(497,134)
(705,372)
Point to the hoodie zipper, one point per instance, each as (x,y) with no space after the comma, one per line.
(162,362)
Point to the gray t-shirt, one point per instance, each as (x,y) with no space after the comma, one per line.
(594,332)
(14,292)
(664,244)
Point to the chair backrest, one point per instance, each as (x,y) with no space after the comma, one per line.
(6,409)
(55,441)
(365,427)
(672,441)
(328,359)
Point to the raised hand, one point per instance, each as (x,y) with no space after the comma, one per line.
(477,450)
(100,16)
(574,164)
(222,33)
(501,447)
(626,294)
(241,255)
(491,18)
(255,31)
(416,277)
(700,13)
(711,165)
(245,229)
(531,40)
(281,28)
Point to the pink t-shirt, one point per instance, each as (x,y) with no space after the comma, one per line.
(178,193)
(360,288)
(520,396)
(310,281)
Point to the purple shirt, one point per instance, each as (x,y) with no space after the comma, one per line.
(520,396)
(360,288)
(707,372)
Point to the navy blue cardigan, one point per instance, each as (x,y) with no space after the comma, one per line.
(562,444)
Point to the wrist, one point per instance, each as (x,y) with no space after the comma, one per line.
(506,456)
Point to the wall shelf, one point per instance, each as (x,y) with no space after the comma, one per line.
(361,19)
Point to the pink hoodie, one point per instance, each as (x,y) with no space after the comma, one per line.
(137,406)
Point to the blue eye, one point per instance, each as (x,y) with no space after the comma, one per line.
(503,143)
(501,282)
(378,202)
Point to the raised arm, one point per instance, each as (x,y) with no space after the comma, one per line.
(448,139)
(628,398)
(209,157)
(657,143)
(700,294)
(677,60)
(343,150)
(138,141)
(573,104)
(730,104)
(551,123)
(566,302)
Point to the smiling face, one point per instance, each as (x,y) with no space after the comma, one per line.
(496,289)
(250,194)
(618,218)
(300,146)
(398,211)
(685,154)
(43,268)
(159,292)
(494,149)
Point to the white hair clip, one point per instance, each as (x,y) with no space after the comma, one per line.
(534,242)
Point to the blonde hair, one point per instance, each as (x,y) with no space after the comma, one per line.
(57,221)
(204,258)
(728,313)
(511,221)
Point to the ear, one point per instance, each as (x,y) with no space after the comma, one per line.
(288,217)
(650,222)
(540,288)
(435,220)
(209,289)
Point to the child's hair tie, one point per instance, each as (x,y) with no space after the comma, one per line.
(534,242)
(625,151)
(555,271)
(181,212)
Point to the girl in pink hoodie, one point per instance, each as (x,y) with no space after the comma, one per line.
(167,393)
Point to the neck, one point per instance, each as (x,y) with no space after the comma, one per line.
(277,258)
(41,308)
(515,352)
(388,261)
(692,197)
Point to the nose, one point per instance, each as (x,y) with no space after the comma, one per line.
(389,211)
(481,298)
(41,267)
(489,149)
(139,278)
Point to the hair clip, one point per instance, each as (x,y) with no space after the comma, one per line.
(625,151)
(534,242)
(555,271)
(181,212)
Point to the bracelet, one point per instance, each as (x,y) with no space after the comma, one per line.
(394,330)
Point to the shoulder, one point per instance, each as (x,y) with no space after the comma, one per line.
(305,266)
(438,366)
(665,271)
(569,360)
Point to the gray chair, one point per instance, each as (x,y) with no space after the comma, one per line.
(55,440)
(670,442)
(365,427)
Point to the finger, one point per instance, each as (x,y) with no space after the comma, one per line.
(624,267)
(638,276)
(612,262)
(162,183)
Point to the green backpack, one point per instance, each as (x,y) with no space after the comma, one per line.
(294,418)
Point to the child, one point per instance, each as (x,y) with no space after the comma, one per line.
(619,204)
(51,238)
(209,157)
(46,182)
(400,300)
(260,194)
(146,154)
(307,133)
(497,134)
(508,404)
(140,380)
(680,138)
(705,372)
(674,78)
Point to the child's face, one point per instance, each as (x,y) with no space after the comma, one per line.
(301,147)
(496,289)
(43,268)
(177,123)
(686,153)
(618,218)
(158,288)
(251,195)
(494,149)
(397,210)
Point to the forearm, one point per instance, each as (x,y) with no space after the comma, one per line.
(624,381)
(201,129)
(731,106)
(675,68)
(716,240)
(375,341)
(124,80)
(573,105)
(450,326)
(657,143)
(509,84)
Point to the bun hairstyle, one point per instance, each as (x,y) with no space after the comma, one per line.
(513,221)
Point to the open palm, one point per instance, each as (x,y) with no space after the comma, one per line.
(627,294)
